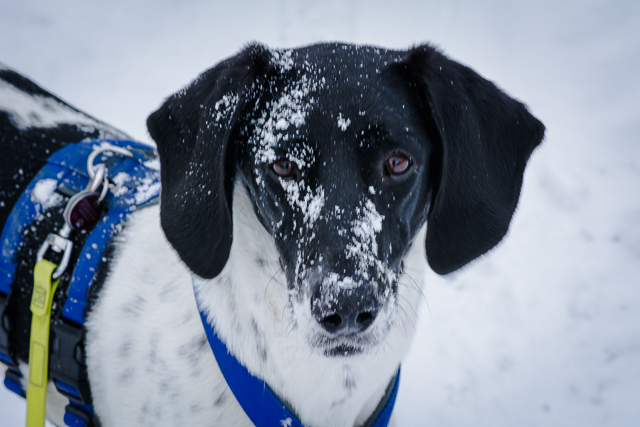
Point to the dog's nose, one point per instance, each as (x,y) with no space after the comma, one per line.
(345,311)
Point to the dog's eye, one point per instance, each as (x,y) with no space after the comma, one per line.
(398,164)
(283,168)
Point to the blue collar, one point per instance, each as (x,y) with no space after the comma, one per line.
(261,405)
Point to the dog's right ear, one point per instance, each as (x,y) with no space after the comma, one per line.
(194,132)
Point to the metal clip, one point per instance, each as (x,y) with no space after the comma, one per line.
(57,244)
(98,174)
(104,148)
(99,177)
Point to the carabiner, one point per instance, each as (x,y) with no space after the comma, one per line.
(57,244)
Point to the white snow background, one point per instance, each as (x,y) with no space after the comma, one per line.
(543,331)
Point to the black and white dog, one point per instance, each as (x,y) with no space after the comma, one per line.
(300,191)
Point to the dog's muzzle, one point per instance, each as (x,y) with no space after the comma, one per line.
(342,306)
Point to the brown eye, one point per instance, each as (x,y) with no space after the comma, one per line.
(398,164)
(283,168)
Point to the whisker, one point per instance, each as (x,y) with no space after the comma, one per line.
(401,315)
(421,270)
(413,310)
(414,282)
(389,346)
(409,318)
(273,279)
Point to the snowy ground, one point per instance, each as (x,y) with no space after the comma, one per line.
(544,331)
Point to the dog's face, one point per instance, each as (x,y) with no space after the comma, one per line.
(336,164)
(344,152)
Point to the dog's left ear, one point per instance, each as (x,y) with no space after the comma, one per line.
(194,131)
(482,140)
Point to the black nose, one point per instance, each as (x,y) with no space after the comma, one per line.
(345,311)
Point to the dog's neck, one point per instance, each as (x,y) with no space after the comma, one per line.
(248,303)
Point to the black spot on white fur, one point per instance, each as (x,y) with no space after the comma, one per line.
(261,347)
(221,399)
(124,350)
(135,307)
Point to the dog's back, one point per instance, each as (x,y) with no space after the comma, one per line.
(34,124)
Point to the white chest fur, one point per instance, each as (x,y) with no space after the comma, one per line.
(149,361)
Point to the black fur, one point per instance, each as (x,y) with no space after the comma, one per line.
(469,142)
(483,139)
(194,155)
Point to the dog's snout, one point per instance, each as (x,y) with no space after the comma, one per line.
(345,311)
(345,321)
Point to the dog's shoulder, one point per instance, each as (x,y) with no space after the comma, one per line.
(147,352)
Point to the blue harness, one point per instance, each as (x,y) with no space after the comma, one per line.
(67,171)
(138,187)
(261,404)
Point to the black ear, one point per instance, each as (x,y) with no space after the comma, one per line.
(482,140)
(194,131)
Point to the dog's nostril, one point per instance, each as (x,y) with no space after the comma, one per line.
(364,320)
(332,323)
(347,323)
(344,311)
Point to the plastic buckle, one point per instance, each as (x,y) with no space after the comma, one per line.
(13,381)
(77,415)
(67,364)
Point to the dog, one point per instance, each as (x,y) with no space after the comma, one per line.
(304,193)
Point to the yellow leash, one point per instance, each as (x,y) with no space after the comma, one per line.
(43,290)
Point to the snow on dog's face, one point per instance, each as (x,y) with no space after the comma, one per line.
(336,165)
(344,152)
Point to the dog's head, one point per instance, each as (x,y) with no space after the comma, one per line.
(345,153)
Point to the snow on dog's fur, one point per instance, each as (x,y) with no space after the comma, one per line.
(300,190)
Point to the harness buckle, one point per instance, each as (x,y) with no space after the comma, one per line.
(78,415)
(67,364)
(57,243)
(13,381)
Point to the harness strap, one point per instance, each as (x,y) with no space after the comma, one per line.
(135,181)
